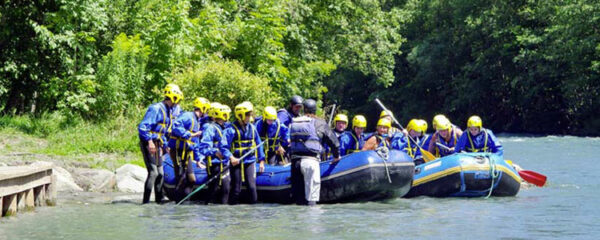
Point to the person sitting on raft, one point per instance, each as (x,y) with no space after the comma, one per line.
(215,153)
(340,123)
(275,134)
(242,137)
(381,137)
(392,130)
(439,117)
(353,141)
(414,141)
(444,140)
(184,141)
(478,139)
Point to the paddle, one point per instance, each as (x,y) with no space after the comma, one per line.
(532,177)
(215,176)
(427,156)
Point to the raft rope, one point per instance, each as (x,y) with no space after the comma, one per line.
(383,152)
(493,173)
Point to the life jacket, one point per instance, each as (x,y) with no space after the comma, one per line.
(382,141)
(194,127)
(175,112)
(289,116)
(271,143)
(243,144)
(304,136)
(410,150)
(450,143)
(485,147)
(216,143)
(357,147)
(161,128)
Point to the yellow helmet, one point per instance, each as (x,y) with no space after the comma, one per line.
(242,109)
(443,124)
(474,121)
(385,113)
(384,122)
(413,124)
(422,125)
(202,103)
(341,117)
(270,113)
(359,121)
(211,109)
(221,111)
(173,93)
(436,119)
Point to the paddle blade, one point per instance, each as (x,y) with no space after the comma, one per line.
(427,156)
(533,177)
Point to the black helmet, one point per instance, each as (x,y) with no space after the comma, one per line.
(296,100)
(310,106)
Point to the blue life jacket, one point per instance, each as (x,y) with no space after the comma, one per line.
(275,135)
(155,124)
(350,143)
(485,141)
(440,152)
(304,136)
(213,141)
(182,129)
(285,117)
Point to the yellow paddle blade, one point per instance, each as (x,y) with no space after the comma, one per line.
(427,156)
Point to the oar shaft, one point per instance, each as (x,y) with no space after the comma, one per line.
(331,114)
(428,156)
(442,146)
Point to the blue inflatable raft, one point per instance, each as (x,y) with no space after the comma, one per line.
(360,176)
(465,175)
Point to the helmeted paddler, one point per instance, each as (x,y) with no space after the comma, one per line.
(353,141)
(215,153)
(184,140)
(275,134)
(151,131)
(478,139)
(241,138)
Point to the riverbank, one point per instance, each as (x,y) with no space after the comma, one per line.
(70,142)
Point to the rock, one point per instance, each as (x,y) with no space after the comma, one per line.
(2,164)
(95,180)
(64,180)
(131,178)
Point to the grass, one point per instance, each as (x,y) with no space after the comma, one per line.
(107,144)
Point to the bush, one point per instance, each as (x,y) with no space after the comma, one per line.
(120,78)
(226,82)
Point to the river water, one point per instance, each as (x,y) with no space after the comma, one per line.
(566,208)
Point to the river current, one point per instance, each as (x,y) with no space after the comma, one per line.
(566,208)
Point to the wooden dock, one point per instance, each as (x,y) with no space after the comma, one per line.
(24,187)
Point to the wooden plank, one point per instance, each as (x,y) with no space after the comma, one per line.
(40,195)
(20,171)
(13,186)
(9,205)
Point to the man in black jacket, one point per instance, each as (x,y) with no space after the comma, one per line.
(307,133)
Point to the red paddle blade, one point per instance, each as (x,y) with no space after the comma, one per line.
(533,177)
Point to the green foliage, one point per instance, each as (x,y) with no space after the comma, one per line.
(522,65)
(224,81)
(121,76)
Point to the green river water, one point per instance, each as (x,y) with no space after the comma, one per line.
(567,208)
